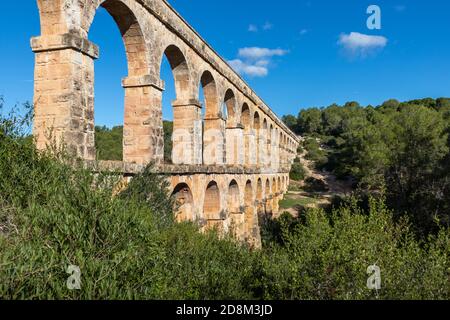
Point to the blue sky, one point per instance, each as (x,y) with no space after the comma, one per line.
(294,53)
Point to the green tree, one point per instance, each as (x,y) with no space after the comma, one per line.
(310,121)
(168,144)
(291,122)
(109,143)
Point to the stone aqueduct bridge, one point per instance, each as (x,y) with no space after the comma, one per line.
(229,165)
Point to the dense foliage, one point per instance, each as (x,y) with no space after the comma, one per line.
(53,214)
(402,148)
(109,142)
(298,172)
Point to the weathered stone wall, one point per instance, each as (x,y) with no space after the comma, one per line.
(223,156)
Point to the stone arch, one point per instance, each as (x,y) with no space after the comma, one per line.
(246,121)
(245,117)
(136,48)
(180,71)
(249,214)
(143,137)
(233,203)
(256,121)
(258,138)
(230,104)
(211,204)
(184,202)
(260,197)
(248,196)
(209,86)
(259,190)
(214,152)
(268,188)
(268,197)
(265,143)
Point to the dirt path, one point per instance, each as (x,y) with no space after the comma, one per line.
(315,199)
(336,187)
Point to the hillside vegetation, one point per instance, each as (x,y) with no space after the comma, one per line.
(53,214)
(401,149)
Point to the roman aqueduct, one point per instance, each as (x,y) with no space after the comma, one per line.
(229,166)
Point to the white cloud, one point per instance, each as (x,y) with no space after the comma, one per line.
(255,61)
(244,68)
(267,26)
(262,63)
(361,45)
(252,28)
(255,28)
(256,53)
(303,31)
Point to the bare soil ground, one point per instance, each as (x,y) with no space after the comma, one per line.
(298,197)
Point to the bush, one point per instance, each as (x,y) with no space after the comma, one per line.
(327,256)
(316,153)
(54,213)
(315,185)
(298,172)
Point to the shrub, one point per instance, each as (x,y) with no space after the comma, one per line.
(315,185)
(298,172)
(54,213)
(327,256)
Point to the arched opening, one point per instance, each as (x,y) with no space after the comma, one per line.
(268,192)
(260,196)
(214,124)
(234,139)
(109,94)
(259,190)
(259,140)
(230,104)
(268,197)
(271,143)
(265,143)
(179,116)
(246,122)
(180,71)
(184,203)
(245,117)
(211,206)
(249,216)
(234,206)
(234,209)
(141,141)
(209,87)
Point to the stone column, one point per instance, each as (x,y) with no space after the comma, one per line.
(235,145)
(276,203)
(261,149)
(143,128)
(250,149)
(64,93)
(214,141)
(252,233)
(187,132)
(269,153)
